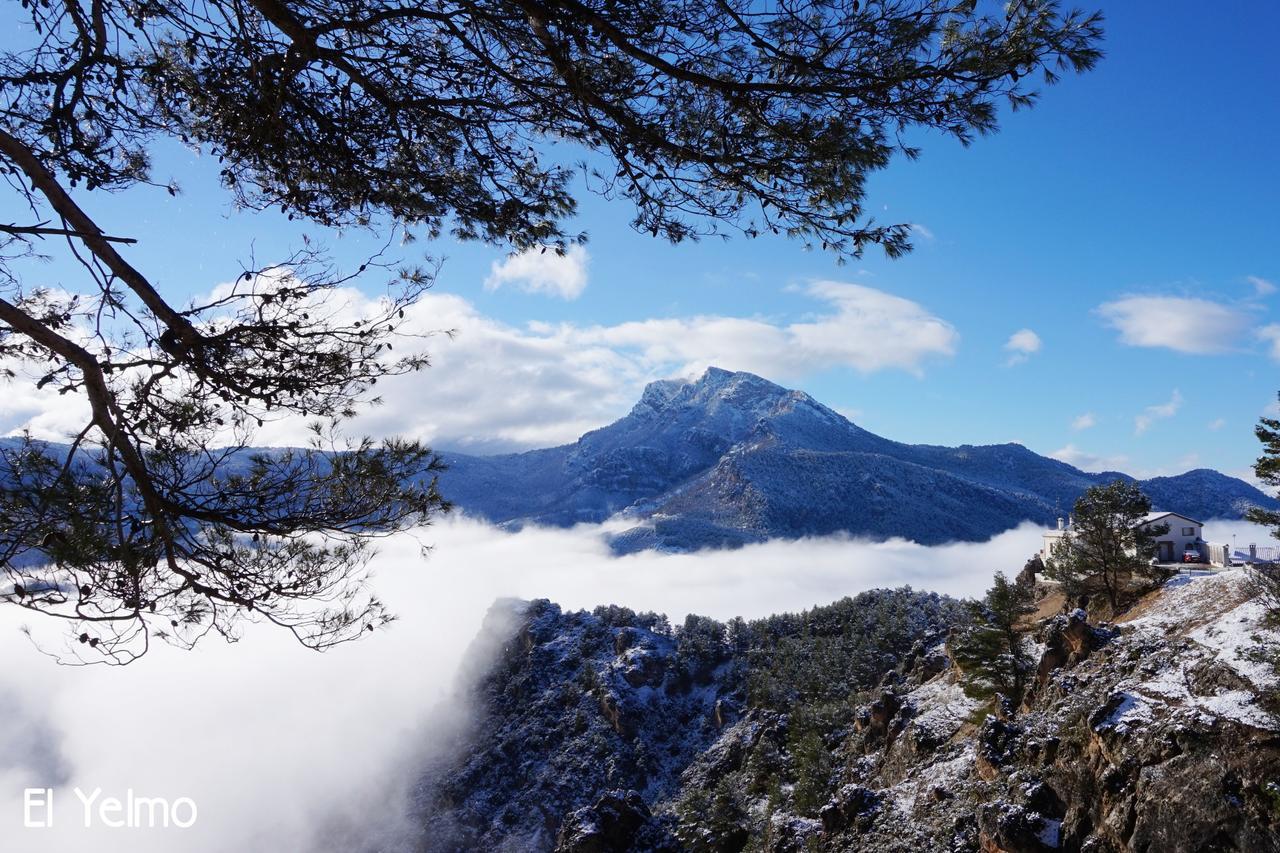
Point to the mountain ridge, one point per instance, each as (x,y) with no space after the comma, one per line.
(732,458)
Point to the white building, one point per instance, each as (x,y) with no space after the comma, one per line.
(1051,538)
(1183,533)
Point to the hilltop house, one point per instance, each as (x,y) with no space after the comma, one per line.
(1183,533)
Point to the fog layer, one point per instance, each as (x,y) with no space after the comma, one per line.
(283,749)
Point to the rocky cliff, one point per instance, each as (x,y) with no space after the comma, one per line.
(847,728)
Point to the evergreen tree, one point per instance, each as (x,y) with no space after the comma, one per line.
(727,820)
(811,767)
(1266,577)
(1107,545)
(992,651)
(713,820)
(1267,468)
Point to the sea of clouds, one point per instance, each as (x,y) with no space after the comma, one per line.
(283,749)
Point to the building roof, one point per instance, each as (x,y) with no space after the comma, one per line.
(1156,516)
(1146,519)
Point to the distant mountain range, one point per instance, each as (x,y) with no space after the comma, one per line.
(731,458)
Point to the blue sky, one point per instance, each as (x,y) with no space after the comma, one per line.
(1153,176)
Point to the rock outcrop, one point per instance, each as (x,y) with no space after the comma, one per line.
(613,824)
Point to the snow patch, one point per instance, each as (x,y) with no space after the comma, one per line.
(1216,617)
(1187,601)
(1233,635)
(906,794)
(942,708)
(1131,713)
(1051,832)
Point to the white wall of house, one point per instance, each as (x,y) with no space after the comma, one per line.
(1051,537)
(1183,533)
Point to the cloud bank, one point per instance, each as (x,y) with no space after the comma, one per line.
(285,749)
(494,386)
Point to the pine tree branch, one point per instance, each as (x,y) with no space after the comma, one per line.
(41,231)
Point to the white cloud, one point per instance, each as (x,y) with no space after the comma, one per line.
(1188,325)
(923,231)
(1023,340)
(549,383)
(870,330)
(1261,286)
(1021,344)
(1086,461)
(1162,411)
(1271,334)
(495,387)
(43,411)
(1085,421)
(542,270)
(867,330)
(1217,424)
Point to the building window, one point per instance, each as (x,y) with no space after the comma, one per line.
(1188,531)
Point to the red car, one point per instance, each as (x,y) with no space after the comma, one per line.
(1191,554)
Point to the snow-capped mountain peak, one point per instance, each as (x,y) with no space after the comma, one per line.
(730,457)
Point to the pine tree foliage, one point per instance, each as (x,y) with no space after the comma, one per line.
(820,658)
(1107,549)
(709,822)
(701,114)
(1266,577)
(1267,469)
(993,651)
